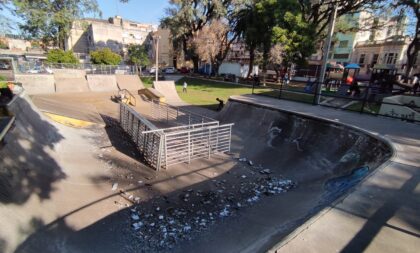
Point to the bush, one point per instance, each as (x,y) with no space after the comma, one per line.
(61,56)
(105,56)
(3,45)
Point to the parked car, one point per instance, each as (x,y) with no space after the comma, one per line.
(184,70)
(170,70)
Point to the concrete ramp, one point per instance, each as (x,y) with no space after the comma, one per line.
(99,83)
(79,111)
(167,88)
(129,82)
(36,83)
(70,80)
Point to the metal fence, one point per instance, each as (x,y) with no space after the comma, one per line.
(48,68)
(370,99)
(194,137)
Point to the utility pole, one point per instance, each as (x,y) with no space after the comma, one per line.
(157,57)
(325,56)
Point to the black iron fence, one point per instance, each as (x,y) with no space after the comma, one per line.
(399,103)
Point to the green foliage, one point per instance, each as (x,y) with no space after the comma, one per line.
(137,55)
(51,20)
(105,56)
(3,45)
(61,56)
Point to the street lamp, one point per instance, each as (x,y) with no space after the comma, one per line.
(157,37)
(325,56)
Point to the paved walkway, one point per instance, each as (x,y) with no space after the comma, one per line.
(380,215)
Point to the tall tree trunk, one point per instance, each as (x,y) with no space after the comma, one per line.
(195,60)
(266,52)
(251,60)
(412,51)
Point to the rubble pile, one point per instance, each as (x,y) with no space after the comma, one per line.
(164,223)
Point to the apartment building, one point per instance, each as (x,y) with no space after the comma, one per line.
(115,33)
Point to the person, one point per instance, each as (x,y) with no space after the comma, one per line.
(286,78)
(221,104)
(184,87)
(256,80)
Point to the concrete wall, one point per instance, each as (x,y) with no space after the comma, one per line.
(36,84)
(102,83)
(401,109)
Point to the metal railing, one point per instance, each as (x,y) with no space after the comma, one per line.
(193,137)
(175,115)
(370,100)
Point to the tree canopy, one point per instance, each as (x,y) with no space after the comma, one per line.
(61,56)
(51,20)
(137,55)
(105,56)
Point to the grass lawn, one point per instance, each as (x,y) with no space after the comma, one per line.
(204,92)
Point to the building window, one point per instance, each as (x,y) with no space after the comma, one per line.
(341,56)
(390,58)
(133,25)
(375,59)
(343,44)
(362,58)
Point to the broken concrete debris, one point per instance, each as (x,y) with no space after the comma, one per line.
(166,223)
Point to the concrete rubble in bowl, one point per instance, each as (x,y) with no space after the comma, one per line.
(168,223)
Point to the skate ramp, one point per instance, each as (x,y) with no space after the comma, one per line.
(99,83)
(167,88)
(308,150)
(37,83)
(70,80)
(129,82)
(62,111)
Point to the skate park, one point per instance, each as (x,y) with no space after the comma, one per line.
(77,173)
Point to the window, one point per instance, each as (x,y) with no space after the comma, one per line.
(390,58)
(343,44)
(375,59)
(133,25)
(362,58)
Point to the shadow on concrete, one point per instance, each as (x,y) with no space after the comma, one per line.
(26,168)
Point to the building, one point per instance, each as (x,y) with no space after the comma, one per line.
(367,28)
(392,50)
(115,33)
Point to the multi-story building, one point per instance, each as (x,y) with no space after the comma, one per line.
(166,53)
(115,33)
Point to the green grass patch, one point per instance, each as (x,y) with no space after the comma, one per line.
(147,81)
(204,92)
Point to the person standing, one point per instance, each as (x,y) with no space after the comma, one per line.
(184,87)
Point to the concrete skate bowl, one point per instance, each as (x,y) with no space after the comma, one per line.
(28,169)
(325,159)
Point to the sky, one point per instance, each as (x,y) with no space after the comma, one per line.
(144,11)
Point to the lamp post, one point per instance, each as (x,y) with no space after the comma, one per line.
(157,57)
(325,56)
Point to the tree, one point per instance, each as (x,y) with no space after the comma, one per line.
(137,55)
(211,43)
(412,7)
(105,56)
(186,17)
(61,56)
(51,20)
